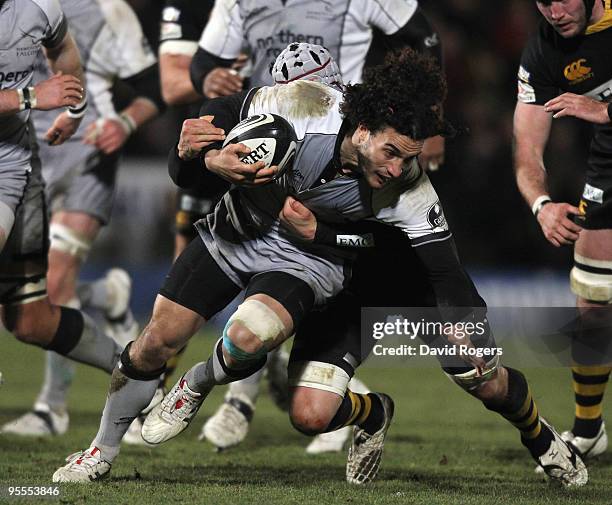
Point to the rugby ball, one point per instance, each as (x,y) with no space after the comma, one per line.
(271,138)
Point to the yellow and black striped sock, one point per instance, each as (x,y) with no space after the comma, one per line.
(171,367)
(364,410)
(521,410)
(589,386)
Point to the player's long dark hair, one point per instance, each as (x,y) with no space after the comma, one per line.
(405,92)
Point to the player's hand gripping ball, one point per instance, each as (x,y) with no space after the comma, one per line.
(271,139)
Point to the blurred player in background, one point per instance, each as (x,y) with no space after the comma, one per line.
(357,34)
(570,54)
(26,309)
(80,182)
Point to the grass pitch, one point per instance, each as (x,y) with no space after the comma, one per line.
(443,448)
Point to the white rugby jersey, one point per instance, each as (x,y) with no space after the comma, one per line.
(344,27)
(25,26)
(112,45)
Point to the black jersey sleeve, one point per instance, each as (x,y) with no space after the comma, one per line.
(227,112)
(202,64)
(535,82)
(184,19)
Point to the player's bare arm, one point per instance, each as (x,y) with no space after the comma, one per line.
(175,83)
(67,87)
(531,130)
(110,134)
(579,106)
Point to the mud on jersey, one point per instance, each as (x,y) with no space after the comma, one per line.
(344,27)
(552,65)
(33,24)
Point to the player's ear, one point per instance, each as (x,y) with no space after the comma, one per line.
(361,135)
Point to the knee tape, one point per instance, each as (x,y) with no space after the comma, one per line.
(592,279)
(258,318)
(470,380)
(318,375)
(67,240)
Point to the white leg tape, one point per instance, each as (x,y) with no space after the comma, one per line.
(318,375)
(591,286)
(67,240)
(470,380)
(259,319)
(28,293)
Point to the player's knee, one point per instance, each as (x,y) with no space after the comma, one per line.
(309,416)
(27,329)
(250,331)
(493,390)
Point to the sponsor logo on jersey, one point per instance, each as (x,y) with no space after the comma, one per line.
(592,193)
(435,216)
(171,14)
(365,240)
(603,92)
(274,45)
(432,40)
(170,31)
(526,93)
(577,71)
(13,76)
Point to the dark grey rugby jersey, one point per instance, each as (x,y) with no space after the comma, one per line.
(244,234)
(343,26)
(25,26)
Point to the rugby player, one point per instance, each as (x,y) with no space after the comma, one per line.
(26,310)
(358,34)
(80,181)
(367,168)
(566,71)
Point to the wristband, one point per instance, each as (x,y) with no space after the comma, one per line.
(128,123)
(27,98)
(539,203)
(78,111)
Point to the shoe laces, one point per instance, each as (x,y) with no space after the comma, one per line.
(83,461)
(179,402)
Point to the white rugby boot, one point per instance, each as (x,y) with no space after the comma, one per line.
(230,424)
(365,452)
(83,466)
(588,447)
(329,442)
(42,421)
(172,415)
(561,462)
(120,322)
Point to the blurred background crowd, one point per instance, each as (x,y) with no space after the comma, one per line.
(493,227)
